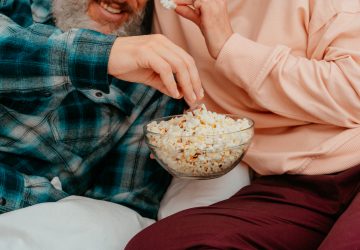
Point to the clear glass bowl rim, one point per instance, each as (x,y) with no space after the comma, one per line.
(207,135)
(205,150)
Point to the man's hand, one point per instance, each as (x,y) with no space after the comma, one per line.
(155,61)
(212,18)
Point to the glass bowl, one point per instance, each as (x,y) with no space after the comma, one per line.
(204,156)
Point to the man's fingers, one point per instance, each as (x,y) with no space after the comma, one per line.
(158,62)
(160,66)
(195,79)
(181,70)
(191,68)
(158,83)
(184,80)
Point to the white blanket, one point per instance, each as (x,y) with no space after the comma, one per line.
(73,223)
(77,223)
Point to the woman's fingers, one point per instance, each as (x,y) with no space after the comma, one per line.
(188,10)
(184,2)
(212,18)
(189,13)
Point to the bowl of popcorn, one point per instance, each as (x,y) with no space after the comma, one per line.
(199,144)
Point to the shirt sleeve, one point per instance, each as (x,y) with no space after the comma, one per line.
(18,190)
(39,50)
(323,90)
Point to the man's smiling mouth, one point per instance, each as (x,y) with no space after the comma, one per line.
(113,8)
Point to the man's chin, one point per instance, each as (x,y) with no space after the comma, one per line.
(132,27)
(76,16)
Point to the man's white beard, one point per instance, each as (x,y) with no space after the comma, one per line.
(70,14)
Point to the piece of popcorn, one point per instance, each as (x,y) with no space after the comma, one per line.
(168,4)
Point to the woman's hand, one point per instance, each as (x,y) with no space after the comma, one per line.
(212,18)
(156,61)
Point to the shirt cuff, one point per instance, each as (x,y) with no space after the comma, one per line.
(11,190)
(88,60)
(18,190)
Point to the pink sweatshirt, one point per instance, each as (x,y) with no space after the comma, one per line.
(293,66)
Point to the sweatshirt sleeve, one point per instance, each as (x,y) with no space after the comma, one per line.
(322,90)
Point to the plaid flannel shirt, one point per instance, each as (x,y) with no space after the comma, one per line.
(63,116)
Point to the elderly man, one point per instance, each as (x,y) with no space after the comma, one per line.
(69,124)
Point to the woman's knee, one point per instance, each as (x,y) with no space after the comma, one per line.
(345,232)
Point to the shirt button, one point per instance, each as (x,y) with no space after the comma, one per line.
(98,94)
(2,202)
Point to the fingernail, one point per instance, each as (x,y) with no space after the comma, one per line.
(176,94)
(193,97)
(202,93)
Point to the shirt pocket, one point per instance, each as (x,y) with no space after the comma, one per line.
(82,124)
(28,102)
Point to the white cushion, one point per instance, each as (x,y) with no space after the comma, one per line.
(72,223)
(183,193)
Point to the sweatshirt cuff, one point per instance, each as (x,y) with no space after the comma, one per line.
(88,60)
(246,60)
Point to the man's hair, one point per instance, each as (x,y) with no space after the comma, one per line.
(70,14)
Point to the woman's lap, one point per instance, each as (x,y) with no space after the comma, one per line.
(274,212)
(345,232)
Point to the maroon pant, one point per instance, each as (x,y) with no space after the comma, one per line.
(274,212)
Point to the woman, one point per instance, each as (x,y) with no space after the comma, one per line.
(294,68)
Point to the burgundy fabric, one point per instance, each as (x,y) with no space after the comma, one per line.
(274,212)
(346,232)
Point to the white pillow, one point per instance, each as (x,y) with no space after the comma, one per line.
(183,194)
(72,223)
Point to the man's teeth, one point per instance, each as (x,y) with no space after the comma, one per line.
(109,8)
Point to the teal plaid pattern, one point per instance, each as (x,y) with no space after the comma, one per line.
(63,116)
